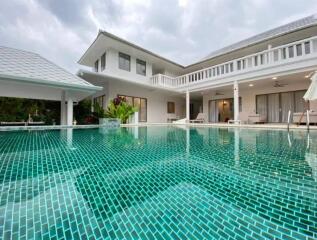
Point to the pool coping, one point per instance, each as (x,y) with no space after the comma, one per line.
(226,125)
(47,127)
(212,125)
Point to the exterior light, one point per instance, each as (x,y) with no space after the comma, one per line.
(251,85)
(274,78)
(307,76)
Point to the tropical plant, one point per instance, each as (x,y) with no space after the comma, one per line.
(119,108)
(99,112)
(83,113)
(19,109)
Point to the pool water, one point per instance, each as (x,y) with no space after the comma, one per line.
(158,183)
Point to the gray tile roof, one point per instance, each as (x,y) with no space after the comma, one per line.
(29,67)
(293,26)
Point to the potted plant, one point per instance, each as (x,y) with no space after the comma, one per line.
(118,108)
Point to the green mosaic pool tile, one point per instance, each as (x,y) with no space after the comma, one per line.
(110,184)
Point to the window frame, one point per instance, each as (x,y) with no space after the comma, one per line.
(139,110)
(98,99)
(140,62)
(126,57)
(96,67)
(103,62)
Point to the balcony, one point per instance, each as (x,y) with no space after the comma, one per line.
(291,56)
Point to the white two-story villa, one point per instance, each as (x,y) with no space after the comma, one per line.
(259,79)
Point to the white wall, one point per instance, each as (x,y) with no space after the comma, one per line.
(249,97)
(156,99)
(112,67)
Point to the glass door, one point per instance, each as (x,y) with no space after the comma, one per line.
(213,111)
(273,107)
(287,104)
(261,105)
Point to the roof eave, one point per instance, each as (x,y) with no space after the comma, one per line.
(116,38)
(89,88)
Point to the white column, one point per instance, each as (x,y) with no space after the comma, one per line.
(63,109)
(69,111)
(236,100)
(187,106)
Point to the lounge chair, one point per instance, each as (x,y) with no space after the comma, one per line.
(256,118)
(199,119)
(299,117)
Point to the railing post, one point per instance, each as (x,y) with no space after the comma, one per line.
(279,52)
(303,48)
(270,54)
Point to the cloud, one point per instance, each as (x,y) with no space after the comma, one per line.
(182,30)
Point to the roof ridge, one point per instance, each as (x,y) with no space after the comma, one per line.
(20,49)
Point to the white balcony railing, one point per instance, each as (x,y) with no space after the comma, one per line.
(271,57)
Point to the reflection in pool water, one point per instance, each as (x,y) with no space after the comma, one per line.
(158,182)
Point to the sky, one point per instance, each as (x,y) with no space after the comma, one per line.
(184,31)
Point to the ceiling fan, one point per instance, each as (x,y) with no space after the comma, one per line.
(278,84)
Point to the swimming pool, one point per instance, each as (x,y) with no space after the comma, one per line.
(158,183)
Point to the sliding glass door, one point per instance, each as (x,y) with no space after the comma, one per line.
(221,110)
(261,105)
(287,104)
(273,114)
(140,104)
(300,105)
(275,106)
(213,111)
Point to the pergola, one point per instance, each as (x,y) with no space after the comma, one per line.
(25,74)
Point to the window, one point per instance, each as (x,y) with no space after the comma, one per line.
(103,62)
(140,104)
(124,62)
(170,107)
(100,101)
(140,67)
(96,65)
